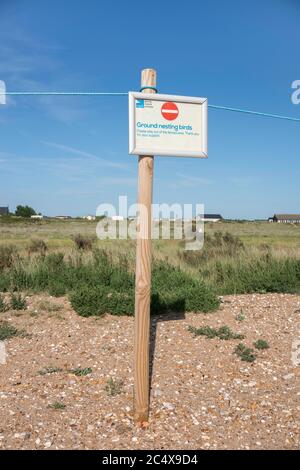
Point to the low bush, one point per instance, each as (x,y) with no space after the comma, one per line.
(173,289)
(7,331)
(83,243)
(224,332)
(261,344)
(244,353)
(91,300)
(17,302)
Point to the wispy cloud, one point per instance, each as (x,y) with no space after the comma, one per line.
(243,181)
(188,181)
(118,181)
(23,59)
(83,153)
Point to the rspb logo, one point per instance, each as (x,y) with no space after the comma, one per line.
(140,103)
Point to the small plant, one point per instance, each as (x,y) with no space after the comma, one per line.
(261,344)
(224,332)
(57,405)
(244,353)
(57,289)
(7,331)
(17,302)
(81,372)
(114,386)
(240,316)
(3,305)
(83,243)
(37,246)
(49,370)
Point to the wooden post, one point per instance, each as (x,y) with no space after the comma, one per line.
(143,274)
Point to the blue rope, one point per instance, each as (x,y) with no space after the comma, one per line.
(257,113)
(93,93)
(62,93)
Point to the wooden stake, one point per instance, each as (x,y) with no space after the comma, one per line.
(143,275)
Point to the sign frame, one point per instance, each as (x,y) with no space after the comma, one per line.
(134,150)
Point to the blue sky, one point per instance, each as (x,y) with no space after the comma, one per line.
(69,154)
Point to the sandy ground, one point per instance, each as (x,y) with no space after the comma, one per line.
(203,396)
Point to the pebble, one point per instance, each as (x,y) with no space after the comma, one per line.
(168,406)
(289,376)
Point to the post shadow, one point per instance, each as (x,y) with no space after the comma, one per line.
(173,311)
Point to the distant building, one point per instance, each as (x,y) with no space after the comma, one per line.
(4,210)
(117,217)
(285,218)
(37,216)
(89,217)
(211,218)
(62,217)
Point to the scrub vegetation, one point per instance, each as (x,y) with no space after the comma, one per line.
(98,276)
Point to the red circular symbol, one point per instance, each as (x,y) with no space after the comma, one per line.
(169,111)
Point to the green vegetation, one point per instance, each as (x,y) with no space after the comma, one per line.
(264,274)
(37,246)
(114,387)
(57,405)
(49,370)
(261,344)
(83,243)
(24,211)
(7,331)
(3,305)
(6,257)
(17,302)
(224,332)
(215,246)
(98,275)
(81,372)
(244,353)
(240,316)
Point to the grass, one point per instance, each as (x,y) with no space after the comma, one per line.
(114,387)
(8,331)
(238,257)
(79,372)
(224,332)
(3,304)
(48,306)
(17,302)
(244,353)
(240,316)
(261,344)
(57,405)
(49,370)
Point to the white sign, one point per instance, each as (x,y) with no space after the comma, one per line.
(167,125)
